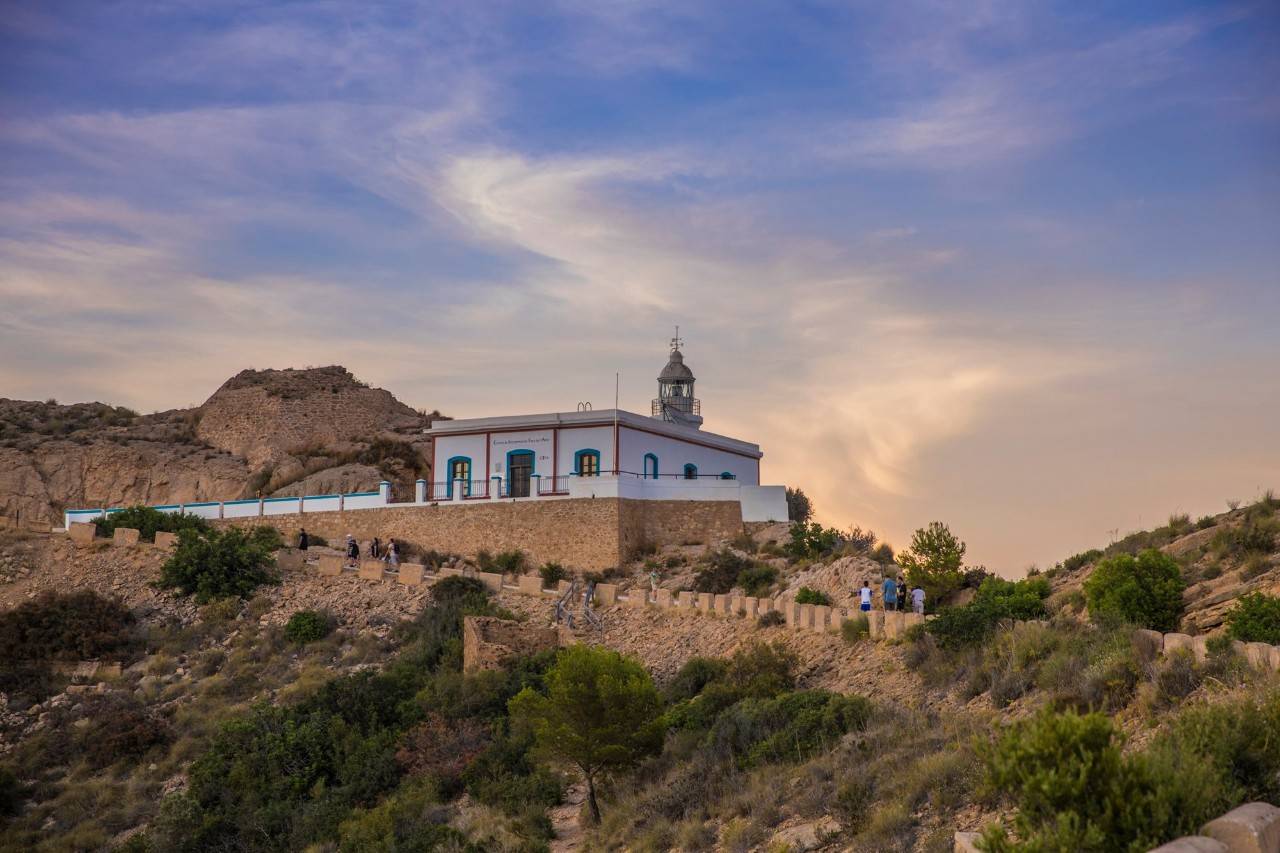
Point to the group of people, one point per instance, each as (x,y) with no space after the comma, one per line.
(894,596)
(388,553)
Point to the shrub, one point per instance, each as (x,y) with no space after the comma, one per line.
(148,522)
(996,599)
(772,619)
(218,563)
(721,571)
(934,561)
(1255,618)
(307,626)
(552,574)
(442,748)
(789,727)
(1254,565)
(66,626)
(1079,561)
(1145,590)
(882,554)
(121,728)
(11,792)
(805,595)
(810,539)
(1075,789)
(856,628)
(509,562)
(758,579)
(696,674)
(799,508)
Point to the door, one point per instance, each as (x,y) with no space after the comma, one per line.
(519,472)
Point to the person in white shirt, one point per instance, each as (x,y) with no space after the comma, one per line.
(865,596)
(917,601)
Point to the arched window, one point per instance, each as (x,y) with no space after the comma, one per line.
(650,466)
(690,471)
(728,475)
(459,468)
(586,463)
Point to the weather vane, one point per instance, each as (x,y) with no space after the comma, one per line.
(676,342)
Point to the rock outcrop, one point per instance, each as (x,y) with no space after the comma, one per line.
(279,432)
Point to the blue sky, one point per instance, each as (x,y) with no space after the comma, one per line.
(1009,265)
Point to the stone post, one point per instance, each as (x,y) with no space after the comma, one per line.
(535,485)
(821,617)
(384,491)
(665,599)
(301,510)
(685,600)
(459,486)
(420,491)
(222,510)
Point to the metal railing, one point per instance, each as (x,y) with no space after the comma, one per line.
(554,485)
(688,405)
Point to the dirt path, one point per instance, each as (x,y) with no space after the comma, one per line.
(564,820)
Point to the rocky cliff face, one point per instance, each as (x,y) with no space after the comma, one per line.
(281,432)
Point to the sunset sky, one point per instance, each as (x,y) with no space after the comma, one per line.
(1013,266)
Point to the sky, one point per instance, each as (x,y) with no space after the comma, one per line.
(1014,266)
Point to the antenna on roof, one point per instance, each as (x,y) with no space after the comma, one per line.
(676,342)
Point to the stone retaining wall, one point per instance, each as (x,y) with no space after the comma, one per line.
(581,533)
(1251,828)
(1153,644)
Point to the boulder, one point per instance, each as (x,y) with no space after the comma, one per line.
(166,540)
(1148,644)
(330,565)
(530,585)
(411,574)
(1192,844)
(371,570)
(1251,828)
(125,537)
(82,534)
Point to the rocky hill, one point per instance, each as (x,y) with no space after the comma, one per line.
(285,432)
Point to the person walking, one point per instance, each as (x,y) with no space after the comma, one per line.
(889,595)
(375,548)
(917,600)
(865,596)
(303,540)
(653,581)
(393,554)
(904,594)
(353,550)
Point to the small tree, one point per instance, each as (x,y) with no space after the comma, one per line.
(600,713)
(1255,618)
(934,561)
(799,507)
(1145,590)
(218,563)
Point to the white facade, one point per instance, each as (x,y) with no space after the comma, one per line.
(609,453)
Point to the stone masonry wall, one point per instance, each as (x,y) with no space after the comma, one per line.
(580,533)
(676,523)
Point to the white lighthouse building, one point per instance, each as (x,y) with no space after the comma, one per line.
(665,455)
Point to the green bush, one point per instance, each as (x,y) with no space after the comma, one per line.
(66,626)
(1145,590)
(758,579)
(1075,789)
(148,522)
(121,727)
(790,727)
(996,599)
(720,571)
(552,574)
(1255,618)
(810,540)
(509,562)
(219,563)
(856,628)
(307,626)
(11,792)
(799,508)
(691,678)
(805,595)
(772,619)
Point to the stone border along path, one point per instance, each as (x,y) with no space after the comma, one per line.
(881,625)
(1250,828)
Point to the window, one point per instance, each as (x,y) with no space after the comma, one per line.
(690,471)
(459,468)
(586,463)
(728,475)
(650,466)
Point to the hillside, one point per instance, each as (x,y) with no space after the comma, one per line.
(285,432)
(371,738)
